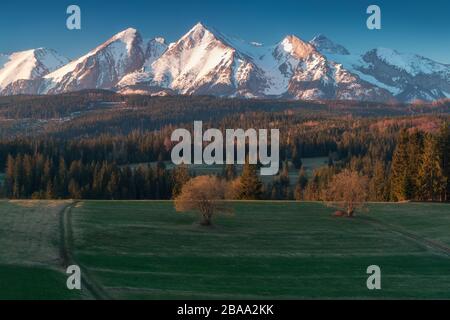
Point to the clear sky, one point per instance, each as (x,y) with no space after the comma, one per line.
(409,26)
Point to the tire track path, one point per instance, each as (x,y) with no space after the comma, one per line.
(430,244)
(66,252)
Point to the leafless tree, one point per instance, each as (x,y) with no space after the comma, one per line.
(347,191)
(205,195)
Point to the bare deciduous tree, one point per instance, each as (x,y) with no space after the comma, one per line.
(205,195)
(347,191)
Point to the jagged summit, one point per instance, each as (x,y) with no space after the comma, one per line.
(160,40)
(327,46)
(199,26)
(297,47)
(126,34)
(206,61)
(100,68)
(29,65)
(200,30)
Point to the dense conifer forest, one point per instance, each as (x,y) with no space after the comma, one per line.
(101,145)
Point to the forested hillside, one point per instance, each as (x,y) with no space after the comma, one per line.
(87,144)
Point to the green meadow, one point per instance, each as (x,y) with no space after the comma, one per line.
(265,250)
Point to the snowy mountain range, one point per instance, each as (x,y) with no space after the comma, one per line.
(204,61)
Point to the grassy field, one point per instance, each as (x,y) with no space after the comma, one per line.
(30,262)
(145,250)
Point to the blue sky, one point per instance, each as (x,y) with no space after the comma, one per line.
(409,26)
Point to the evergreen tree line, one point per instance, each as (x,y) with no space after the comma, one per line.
(420,167)
(419,171)
(136,147)
(401,163)
(41,177)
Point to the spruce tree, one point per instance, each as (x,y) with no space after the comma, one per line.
(401,186)
(9,179)
(74,190)
(180,175)
(113,186)
(18,188)
(251,187)
(296,157)
(50,192)
(431,180)
(302,182)
(378,184)
(444,151)
(415,150)
(62,179)
(285,182)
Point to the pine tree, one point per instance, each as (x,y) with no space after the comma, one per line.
(180,176)
(444,151)
(149,183)
(140,183)
(275,193)
(285,182)
(28,175)
(74,190)
(378,184)
(113,186)
(127,183)
(18,188)
(431,180)
(9,178)
(47,174)
(296,157)
(312,191)
(401,185)
(415,150)
(302,182)
(62,179)
(250,187)
(49,192)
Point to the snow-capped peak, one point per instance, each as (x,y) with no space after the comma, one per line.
(326,46)
(201,61)
(128,33)
(160,40)
(198,29)
(205,61)
(201,31)
(198,26)
(195,56)
(129,37)
(102,67)
(411,63)
(28,65)
(296,47)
